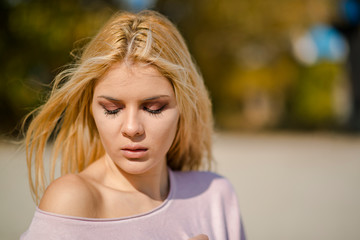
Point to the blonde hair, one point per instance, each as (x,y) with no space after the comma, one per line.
(146,37)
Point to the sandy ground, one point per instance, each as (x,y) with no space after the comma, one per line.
(290,186)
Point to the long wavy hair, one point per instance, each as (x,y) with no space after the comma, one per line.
(146,37)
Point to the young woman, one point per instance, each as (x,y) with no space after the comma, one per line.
(132,124)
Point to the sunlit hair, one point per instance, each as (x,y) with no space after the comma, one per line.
(146,37)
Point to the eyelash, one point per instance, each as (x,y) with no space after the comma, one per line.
(112,112)
(154,112)
(151,112)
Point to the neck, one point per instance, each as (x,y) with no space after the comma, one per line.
(153,183)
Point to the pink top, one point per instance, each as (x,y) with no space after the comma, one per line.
(198,203)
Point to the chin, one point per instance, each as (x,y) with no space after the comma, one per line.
(138,167)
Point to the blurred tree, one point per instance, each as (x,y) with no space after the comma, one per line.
(242,47)
(36,38)
(244,51)
(311,102)
(348,22)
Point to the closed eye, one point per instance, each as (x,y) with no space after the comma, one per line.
(154,111)
(112,112)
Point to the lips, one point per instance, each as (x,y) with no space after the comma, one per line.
(134,151)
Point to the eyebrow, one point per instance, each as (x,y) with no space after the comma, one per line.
(146,99)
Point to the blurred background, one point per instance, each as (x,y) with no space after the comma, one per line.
(284,78)
(274,64)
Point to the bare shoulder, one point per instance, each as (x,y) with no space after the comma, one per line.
(70,195)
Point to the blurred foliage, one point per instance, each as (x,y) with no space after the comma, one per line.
(242,47)
(244,50)
(35,40)
(311,103)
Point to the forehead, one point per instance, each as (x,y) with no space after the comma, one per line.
(133,79)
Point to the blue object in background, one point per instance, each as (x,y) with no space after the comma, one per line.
(350,10)
(320,42)
(138,5)
(329,43)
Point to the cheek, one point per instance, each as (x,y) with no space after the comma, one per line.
(105,126)
(166,131)
(174,125)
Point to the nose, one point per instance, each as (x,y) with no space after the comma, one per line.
(132,125)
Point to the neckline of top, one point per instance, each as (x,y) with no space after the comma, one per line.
(153,211)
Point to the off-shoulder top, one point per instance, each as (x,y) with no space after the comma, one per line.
(198,203)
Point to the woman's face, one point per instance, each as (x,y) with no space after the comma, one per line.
(136,114)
